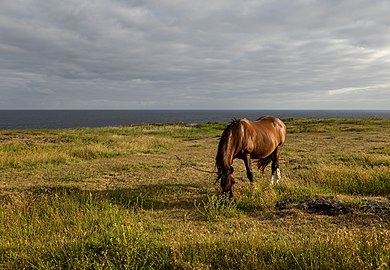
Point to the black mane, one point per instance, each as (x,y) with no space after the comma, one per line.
(220,162)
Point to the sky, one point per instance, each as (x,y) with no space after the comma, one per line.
(214,54)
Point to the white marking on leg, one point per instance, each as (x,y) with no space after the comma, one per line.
(272,179)
(278,175)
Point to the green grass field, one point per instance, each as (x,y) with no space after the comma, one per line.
(135,198)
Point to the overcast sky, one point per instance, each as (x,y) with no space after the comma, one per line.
(214,54)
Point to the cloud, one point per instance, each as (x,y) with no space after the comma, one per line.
(346,90)
(211,54)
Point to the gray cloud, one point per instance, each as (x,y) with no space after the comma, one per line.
(211,54)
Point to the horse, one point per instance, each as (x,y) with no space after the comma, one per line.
(262,139)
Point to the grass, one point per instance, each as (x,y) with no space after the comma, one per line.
(130,198)
(217,208)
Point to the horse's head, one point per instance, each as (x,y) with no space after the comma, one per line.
(227,182)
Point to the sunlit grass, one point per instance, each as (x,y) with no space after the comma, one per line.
(64,228)
(23,154)
(216,208)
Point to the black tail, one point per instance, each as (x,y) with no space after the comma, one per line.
(263,162)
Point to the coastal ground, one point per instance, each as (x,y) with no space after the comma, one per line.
(139,197)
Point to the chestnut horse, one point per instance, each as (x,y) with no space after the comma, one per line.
(262,139)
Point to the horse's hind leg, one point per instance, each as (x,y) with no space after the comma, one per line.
(275,165)
(248,166)
(275,171)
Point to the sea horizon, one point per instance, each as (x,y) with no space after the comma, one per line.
(183,109)
(76,118)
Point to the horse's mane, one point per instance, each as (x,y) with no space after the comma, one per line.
(221,159)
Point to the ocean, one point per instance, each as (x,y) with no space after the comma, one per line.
(55,119)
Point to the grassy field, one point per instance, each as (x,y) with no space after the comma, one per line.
(136,198)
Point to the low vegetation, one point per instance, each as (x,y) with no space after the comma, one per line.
(138,197)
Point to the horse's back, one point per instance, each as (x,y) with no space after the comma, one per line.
(273,125)
(271,120)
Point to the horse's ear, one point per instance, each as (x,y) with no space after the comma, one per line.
(231,169)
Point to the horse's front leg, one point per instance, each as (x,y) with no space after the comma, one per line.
(248,166)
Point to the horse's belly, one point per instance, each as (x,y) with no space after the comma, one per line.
(264,151)
(258,155)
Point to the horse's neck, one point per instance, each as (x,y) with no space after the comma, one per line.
(230,149)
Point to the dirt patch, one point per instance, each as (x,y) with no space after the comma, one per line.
(376,207)
(334,207)
(324,206)
(55,140)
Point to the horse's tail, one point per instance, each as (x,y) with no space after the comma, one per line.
(263,162)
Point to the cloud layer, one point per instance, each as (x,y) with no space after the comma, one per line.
(209,54)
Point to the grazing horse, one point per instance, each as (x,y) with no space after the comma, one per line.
(262,139)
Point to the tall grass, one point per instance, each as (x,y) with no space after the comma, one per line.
(305,250)
(73,229)
(23,153)
(217,208)
(348,179)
